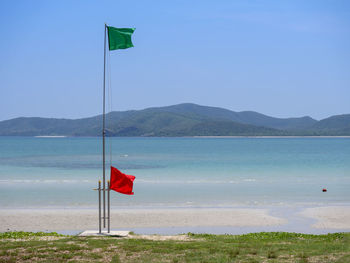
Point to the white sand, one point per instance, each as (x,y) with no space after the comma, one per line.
(332,217)
(69,219)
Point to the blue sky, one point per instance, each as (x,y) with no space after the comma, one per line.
(280,58)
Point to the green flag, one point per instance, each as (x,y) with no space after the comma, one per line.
(119,38)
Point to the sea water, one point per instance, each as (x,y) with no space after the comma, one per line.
(176,172)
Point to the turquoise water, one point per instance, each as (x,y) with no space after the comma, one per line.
(176,172)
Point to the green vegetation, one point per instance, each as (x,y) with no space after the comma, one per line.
(179,120)
(21,234)
(339,124)
(255,247)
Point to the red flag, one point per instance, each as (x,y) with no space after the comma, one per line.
(120,182)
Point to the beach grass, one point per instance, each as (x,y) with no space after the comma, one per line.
(254,247)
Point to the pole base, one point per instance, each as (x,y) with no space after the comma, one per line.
(95,233)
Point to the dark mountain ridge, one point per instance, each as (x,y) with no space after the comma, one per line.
(246,117)
(185,119)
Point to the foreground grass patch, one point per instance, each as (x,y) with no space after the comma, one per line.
(256,247)
(21,234)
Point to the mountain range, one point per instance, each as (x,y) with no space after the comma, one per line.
(185,119)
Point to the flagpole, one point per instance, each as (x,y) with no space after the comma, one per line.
(103,130)
(108,207)
(99,206)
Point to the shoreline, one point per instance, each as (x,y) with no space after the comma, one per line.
(165,221)
(275,136)
(204,136)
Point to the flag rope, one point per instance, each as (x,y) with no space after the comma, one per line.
(110,106)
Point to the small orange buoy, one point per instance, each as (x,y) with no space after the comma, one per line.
(324,190)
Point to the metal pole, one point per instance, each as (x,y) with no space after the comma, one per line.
(109,207)
(99,206)
(103,129)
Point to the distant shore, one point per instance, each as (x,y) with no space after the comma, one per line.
(49,136)
(302,136)
(223,136)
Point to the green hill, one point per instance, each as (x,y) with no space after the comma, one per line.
(178,120)
(246,117)
(334,125)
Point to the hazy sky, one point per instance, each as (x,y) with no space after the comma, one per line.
(280,58)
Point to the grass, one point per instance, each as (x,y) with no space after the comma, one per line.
(21,234)
(255,247)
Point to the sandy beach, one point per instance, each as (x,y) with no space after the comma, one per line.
(77,219)
(251,219)
(330,217)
